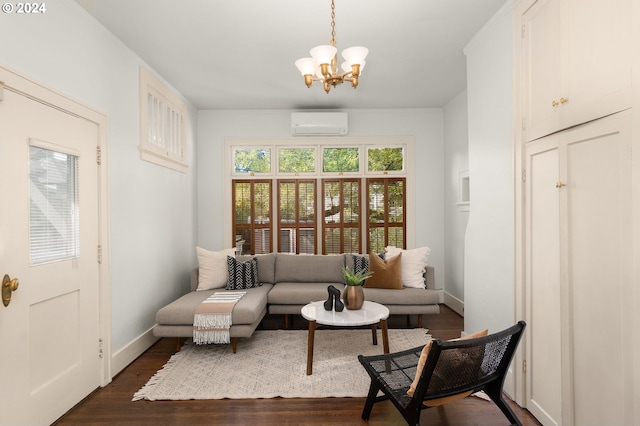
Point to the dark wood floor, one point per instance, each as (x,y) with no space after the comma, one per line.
(112,404)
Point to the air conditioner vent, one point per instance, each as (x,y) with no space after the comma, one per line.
(319,123)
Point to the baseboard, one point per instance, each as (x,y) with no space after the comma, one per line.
(125,356)
(454,303)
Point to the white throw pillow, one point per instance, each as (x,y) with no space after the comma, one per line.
(413,265)
(213,272)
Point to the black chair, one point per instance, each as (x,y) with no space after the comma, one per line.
(452,370)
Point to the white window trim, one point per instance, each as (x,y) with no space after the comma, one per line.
(161,154)
(408,142)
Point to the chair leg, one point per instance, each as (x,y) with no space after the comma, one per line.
(495,394)
(371,399)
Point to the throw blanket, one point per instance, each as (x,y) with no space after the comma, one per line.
(212,320)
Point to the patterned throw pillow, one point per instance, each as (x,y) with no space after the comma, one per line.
(242,275)
(360,263)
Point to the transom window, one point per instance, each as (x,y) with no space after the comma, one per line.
(323,198)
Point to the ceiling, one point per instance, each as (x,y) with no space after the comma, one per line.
(240,54)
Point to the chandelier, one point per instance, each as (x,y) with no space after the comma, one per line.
(323,64)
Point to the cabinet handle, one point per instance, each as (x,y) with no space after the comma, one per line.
(564,100)
(560,185)
(554,103)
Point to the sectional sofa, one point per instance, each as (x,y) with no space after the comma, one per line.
(287,282)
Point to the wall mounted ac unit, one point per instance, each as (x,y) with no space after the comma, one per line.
(319,123)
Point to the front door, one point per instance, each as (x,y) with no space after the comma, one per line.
(49,237)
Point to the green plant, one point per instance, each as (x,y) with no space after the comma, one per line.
(355,278)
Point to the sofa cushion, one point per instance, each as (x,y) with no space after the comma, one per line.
(242,275)
(246,311)
(266,266)
(408,296)
(295,293)
(302,268)
(386,275)
(213,268)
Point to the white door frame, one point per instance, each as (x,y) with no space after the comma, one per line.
(11,80)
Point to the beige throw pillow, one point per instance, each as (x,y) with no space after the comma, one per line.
(423,359)
(212,265)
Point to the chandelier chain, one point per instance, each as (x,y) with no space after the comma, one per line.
(333,23)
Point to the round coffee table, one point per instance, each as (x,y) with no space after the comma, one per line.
(371,313)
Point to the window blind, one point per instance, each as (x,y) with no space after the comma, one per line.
(54,231)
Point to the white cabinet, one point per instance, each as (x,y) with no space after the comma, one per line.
(578,274)
(575,62)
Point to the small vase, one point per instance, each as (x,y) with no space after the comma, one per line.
(353,297)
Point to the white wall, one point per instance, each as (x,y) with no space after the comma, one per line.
(456,153)
(426,125)
(489,243)
(152,209)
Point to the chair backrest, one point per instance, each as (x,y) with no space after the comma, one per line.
(454,367)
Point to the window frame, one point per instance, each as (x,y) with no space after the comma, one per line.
(172,157)
(386,224)
(407,142)
(252,226)
(342,225)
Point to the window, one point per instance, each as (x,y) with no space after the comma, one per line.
(54,230)
(162,115)
(297,216)
(252,160)
(296,160)
(326,198)
(252,215)
(341,160)
(341,216)
(385,159)
(385,213)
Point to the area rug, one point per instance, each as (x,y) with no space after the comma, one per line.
(273,363)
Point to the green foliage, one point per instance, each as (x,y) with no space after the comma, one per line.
(355,278)
(252,160)
(385,159)
(296,160)
(341,160)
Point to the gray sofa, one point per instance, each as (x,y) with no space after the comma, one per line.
(288,283)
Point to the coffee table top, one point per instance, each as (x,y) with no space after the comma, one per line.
(370,313)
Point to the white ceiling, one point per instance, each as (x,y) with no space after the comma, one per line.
(240,54)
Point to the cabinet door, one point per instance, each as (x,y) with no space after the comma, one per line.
(578,275)
(598,59)
(541,67)
(597,212)
(575,62)
(542,283)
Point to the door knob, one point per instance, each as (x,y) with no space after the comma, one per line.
(8,285)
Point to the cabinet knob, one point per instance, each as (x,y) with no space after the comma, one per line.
(554,103)
(564,100)
(560,185)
